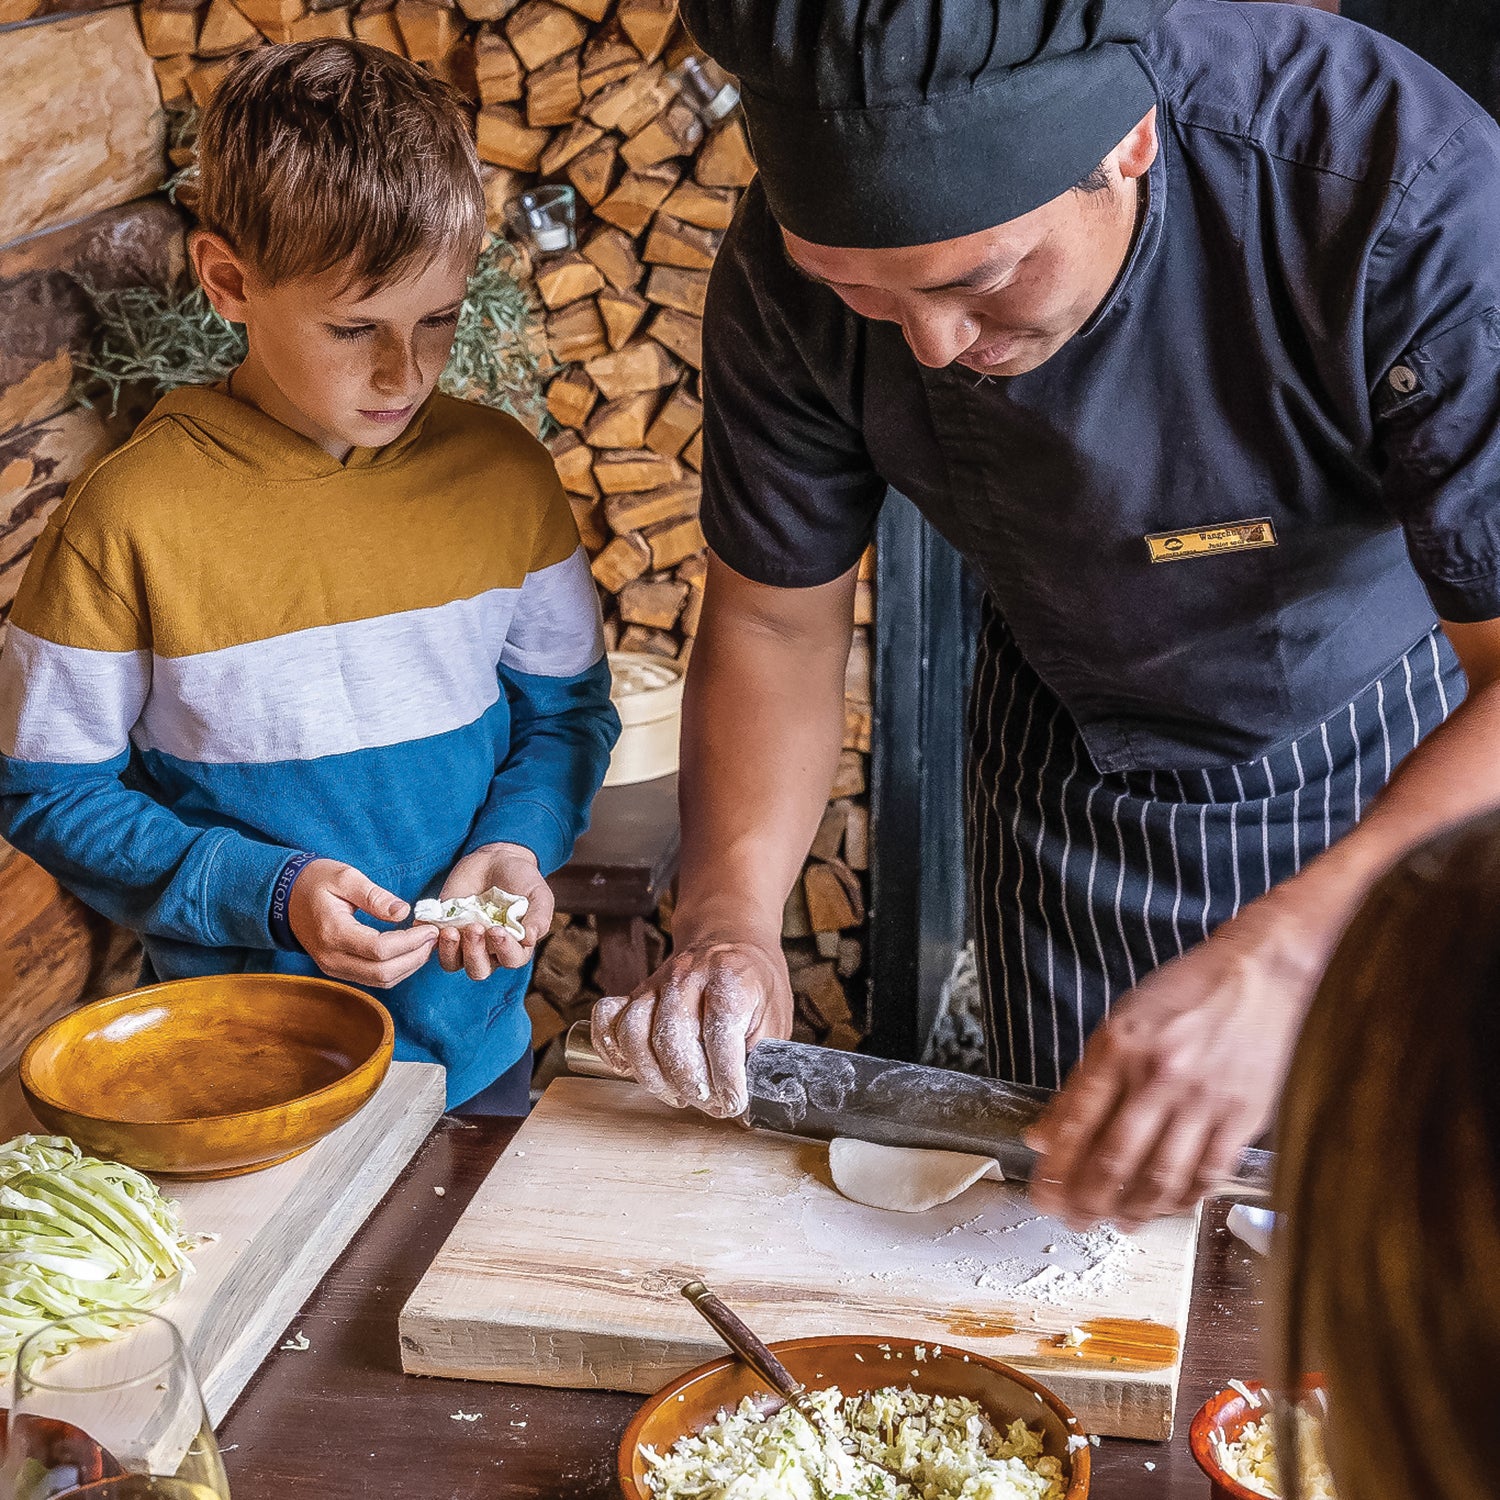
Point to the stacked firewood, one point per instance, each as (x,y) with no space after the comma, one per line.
(83,135)
(588,93)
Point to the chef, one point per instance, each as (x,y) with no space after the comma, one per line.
(1182,323)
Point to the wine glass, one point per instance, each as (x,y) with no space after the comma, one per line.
(116,1420)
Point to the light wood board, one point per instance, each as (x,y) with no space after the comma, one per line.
(566,1267)
(279,1230)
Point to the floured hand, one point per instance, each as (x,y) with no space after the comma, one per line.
(1182,1076)
(684,1034)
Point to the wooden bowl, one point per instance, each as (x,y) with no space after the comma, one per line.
(692,1402)
(201,1078)
(1223,1418)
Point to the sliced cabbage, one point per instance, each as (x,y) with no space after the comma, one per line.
(1251,1458)
(83,1239)
(943,1447)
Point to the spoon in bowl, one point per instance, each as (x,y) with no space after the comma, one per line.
(744,1342)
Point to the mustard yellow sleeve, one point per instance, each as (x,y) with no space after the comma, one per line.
(66,598)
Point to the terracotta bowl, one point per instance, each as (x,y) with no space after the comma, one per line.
(692,1402)
(1224,1417)
(202,1078)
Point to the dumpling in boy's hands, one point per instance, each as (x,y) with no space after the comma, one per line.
(491,908)
(502,925)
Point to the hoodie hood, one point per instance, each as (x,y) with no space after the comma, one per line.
(244,438)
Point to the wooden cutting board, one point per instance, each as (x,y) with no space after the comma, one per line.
(565,1269)
(278,1230)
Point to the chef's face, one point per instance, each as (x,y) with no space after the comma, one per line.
(1005,300)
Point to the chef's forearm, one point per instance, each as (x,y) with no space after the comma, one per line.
(1452,775)
(763,722)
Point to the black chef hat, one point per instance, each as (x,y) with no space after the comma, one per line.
(879,123)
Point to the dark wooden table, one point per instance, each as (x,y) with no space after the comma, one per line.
(620,869)
(341,1420)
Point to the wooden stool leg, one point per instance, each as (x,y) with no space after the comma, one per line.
(629,949)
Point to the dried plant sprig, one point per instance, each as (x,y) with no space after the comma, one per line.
(158,340)
(155,339)
(499,357)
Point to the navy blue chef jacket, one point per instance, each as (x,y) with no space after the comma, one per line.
(1306,334)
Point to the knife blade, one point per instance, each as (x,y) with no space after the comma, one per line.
(818,1092)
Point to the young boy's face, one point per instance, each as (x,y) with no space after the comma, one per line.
(345,367)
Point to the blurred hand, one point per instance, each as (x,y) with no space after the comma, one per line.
(1181,1078)
(684,1034)
(321,912)
(479,950)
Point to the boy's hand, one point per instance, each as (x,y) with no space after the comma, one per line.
(477,950)
(321,914)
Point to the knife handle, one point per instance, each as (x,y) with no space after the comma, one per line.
(1252,1178)
(578,1051)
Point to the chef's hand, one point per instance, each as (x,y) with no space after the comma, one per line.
(684,1034)
(321,913)
(478,950)
(1182,1077)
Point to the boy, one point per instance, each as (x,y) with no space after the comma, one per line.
(321,635)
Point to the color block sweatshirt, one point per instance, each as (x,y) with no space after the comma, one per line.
(230,647)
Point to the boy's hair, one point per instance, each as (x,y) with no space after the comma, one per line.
(330,153)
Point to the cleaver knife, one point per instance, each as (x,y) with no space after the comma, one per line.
(799,1089)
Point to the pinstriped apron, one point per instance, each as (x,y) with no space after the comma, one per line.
(1084,882)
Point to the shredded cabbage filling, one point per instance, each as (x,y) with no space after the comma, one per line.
(942,1447)
(491,908)
(1251,1458)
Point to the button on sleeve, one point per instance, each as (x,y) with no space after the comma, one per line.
(1434,349)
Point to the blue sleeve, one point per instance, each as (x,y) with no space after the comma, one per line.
(134,860)
(556,681)
(562,730)
(66,716)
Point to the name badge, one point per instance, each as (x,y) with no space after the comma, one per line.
(1232,536)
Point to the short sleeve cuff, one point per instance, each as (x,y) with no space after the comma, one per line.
(775,570)
(1467,603)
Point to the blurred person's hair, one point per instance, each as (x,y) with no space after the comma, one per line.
(1389,1181)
